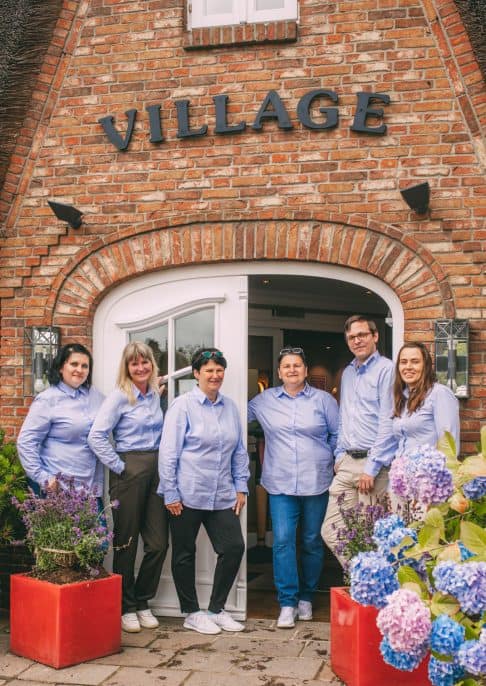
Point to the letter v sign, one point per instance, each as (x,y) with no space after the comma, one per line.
(112,133)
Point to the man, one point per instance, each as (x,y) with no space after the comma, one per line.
(365,445)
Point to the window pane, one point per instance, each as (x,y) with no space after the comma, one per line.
(184,384)
(193,331)
(156,338)
(218,6)
(269,5)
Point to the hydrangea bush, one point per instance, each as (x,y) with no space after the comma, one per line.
(66,522)
(428,577)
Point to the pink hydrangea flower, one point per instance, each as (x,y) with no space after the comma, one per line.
(405,621)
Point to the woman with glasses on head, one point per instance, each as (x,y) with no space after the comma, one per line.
(203,468)
(131,415)
(53,437)
(423,409)
(300,424)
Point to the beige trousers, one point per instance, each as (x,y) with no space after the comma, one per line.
(346,481)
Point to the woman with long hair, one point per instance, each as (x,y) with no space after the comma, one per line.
(423,409)
(131,415)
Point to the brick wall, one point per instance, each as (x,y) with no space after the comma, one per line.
(331,196)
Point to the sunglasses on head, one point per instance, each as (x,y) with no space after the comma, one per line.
(291,351)
(208,354)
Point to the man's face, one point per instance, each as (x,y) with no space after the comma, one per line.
(361,341)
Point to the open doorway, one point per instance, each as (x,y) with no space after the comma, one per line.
(305,312)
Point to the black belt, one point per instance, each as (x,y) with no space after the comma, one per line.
(357,454)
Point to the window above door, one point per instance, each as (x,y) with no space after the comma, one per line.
(209,13)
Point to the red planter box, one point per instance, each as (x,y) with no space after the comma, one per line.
(63,625)
(355,647)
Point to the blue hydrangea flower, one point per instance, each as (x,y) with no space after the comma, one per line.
(408,661)
(465,552)
(465,581)
(421,474)
(446,636)
(384,527)
(472,656)
(444,673)
(394,539)
(372,579)
(475,489)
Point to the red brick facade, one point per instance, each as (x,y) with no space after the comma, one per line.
(330,196)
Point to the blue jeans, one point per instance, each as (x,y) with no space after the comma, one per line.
(287,512)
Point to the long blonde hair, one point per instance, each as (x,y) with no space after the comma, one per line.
(131,352)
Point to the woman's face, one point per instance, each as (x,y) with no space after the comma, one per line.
(210,378)
(292,371)
(140,371)
(411,366)
(75,370)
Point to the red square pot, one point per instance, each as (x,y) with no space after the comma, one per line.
(355,647)
(63,625)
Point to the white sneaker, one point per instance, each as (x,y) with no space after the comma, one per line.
(226,621)
(287,618)
(200,622)
(304,610)
(147,620)
(130,623)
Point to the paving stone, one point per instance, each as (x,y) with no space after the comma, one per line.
(207,679)
(313,631)
(87,674)
(318,649)
(12,665)
(140,640)
(136,657)
(259,646)
(16,682)
(136,676)
(186,639)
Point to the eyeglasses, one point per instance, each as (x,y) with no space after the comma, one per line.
(209,354)
(359,337)
(291,351)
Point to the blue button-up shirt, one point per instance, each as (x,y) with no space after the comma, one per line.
(133,427)
(202,458)
(366,410)
(53,437)
(439,413)
(300,437)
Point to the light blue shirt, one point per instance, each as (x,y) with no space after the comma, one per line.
(300,437)
(133,427)
(366,410)
(53,437)
(439,413)
(203,462)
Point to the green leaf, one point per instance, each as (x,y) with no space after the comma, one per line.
(435,519)
(483,440)
(450,552)
(473,537)
(428,538)
(444,604)
(472,466)
(447,445)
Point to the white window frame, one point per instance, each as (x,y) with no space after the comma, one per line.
(242,12)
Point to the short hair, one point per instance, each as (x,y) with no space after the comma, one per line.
(360,318)
(131,352)
(291,350)
(63,356)
(204,355)
(415,399)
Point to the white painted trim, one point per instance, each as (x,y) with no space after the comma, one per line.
(189,306)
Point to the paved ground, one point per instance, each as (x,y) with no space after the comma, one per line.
(262,655)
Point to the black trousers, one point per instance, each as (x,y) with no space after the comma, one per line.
(224,531)
(140,512)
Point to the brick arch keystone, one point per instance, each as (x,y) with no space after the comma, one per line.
(385,252)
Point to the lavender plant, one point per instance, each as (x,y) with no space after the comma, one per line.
(66,520)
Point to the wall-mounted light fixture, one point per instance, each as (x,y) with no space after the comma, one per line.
(41,345)
(66,213)
(417,197)
(452,355)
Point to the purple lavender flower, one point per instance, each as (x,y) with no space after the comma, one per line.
(475,489)
(408,661)
(446,636)
(472,656)
(466,581)
(444,673)
(404,621)
(372,579)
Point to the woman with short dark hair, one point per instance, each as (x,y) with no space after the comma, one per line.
(203,468)
(53,437)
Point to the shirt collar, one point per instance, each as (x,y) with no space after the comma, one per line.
(280,390)
(362,368)
(203,398)
(70,391)
(138,393)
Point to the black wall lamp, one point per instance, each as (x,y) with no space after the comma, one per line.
(66,213)
(417,197)
(41,345)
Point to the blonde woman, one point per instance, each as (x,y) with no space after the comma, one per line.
(131,414)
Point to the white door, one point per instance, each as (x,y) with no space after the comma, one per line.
(176,312)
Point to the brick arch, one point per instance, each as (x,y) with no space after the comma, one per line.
(396,259)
